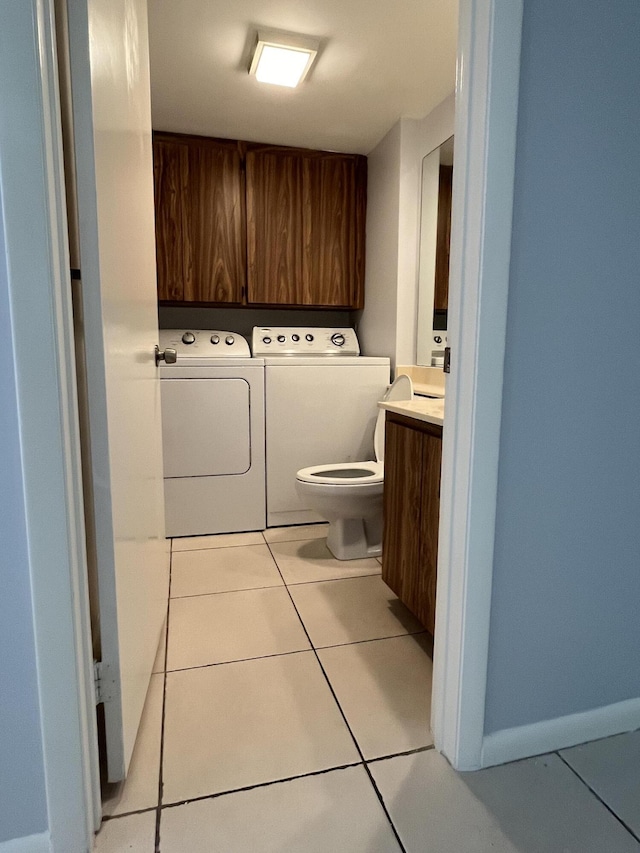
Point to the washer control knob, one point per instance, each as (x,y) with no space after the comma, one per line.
(188,338)
(266,340)
(281,338)
(229,340)
(295,338)
(338,339)
(215,339)
(309,337)
(437,339)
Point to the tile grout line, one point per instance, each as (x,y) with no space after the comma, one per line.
(271,782)
(295,651)
(239,660)
(218,547)
(339,706)
(415,751)
(226,591)
(238,545)
(216,794)
(598,797)
(111,817)
(274,585)
(164,704)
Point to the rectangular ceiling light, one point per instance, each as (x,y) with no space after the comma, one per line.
(283,59)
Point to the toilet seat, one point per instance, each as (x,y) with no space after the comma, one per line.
(343,474)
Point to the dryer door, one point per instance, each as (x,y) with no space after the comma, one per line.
(205,427)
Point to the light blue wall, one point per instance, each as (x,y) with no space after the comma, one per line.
(565,629)
(22,793)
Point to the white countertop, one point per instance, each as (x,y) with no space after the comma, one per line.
(420,408)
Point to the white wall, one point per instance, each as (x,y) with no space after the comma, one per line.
(377,324)
(387,325)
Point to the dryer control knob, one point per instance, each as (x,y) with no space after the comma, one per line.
(295,338)
(309,337)
(229,340)
(281,338)
(215,339)
(338,339)
(266,340)
(188,338)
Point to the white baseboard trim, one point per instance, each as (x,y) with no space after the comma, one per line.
(560,733)
(27,844)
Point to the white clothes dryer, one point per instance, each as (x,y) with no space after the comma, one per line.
(213,434)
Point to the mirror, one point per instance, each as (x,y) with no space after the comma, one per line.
(433,273)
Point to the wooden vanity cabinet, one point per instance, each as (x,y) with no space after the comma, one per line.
(305,227)
(200,219)
(412,459)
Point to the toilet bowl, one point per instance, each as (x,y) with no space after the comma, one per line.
(349,494)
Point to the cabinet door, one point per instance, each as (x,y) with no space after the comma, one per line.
(424,584)
(217,226)
(200,219)
(411,515)
(305,227)
(334,202)
(173,246)
(402,509)
(274,228)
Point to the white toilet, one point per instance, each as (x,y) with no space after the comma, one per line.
(349,494)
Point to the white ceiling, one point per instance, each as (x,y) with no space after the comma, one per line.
(380,60)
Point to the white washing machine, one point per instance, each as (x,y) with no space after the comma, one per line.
(321,404)
(212,433)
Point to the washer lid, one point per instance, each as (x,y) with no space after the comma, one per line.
(400,389)
(204,343)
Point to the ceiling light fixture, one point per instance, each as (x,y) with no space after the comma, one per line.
(283,59)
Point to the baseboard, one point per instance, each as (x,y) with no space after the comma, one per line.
(27,844)
(560,733)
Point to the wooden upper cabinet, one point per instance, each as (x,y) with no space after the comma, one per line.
(305,227)
(200,219)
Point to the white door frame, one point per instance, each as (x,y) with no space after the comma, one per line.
(485,133)
(34,212)
(486,117)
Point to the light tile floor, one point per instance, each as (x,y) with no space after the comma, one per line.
(289,713)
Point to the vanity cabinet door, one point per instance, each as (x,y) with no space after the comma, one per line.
(413,453)
(402,508)
(305,227)
(425,580)
(200,219)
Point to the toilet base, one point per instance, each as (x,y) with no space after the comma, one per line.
(355,538)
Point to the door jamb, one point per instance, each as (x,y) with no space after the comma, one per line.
(41,318)
(490,34)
